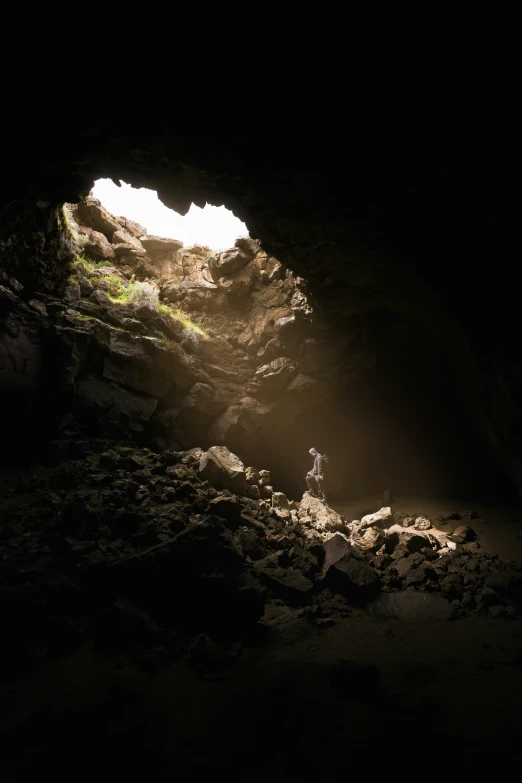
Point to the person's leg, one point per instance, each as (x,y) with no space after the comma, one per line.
(312,483)
(321,490)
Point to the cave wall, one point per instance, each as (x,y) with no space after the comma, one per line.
(402,244)
(165,345)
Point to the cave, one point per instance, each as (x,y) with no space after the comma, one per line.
(175,600)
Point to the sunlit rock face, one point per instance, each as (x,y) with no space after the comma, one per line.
(167,345)
(396,249)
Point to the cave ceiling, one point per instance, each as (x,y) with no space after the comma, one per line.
(400,232)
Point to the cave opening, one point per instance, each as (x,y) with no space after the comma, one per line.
(212,226)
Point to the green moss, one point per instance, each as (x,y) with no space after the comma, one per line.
(116,285)
(119,292)
(188,324)
(84,317)
(179,315)
(135,291)
(165,309)
(65,223)
(91,265)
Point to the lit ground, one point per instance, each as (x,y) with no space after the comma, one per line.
(496,528)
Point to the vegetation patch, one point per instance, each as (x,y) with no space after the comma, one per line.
(66,223)
(83,318)
(188,324)
(90,265)
(134,292)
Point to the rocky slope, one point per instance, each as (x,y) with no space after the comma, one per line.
(177,553)
(155,362)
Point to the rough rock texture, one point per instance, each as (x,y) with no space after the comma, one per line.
(401,247)
(223,469)
(381,518)
(314,513)
(137,544)
(376,231)
(145,344)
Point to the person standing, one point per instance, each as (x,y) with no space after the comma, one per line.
(315,477)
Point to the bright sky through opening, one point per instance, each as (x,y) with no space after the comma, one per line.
(215,227)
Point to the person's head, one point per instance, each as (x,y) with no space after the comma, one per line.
(313,452)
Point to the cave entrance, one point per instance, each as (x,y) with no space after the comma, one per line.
(214,227)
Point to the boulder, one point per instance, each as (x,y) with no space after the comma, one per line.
(371,540)
(323,518)
(97,245)
(72,293)
(412,541)
(132,228)
(40,307)
(238,283)
(289,584)
(304,560)
(273,377)
(223,469)
(160,245)
(250,247)
(163,254)
(463,534)
(418,576)
(250,543)
(86,287)
(264,477)
(279,500)
(91,213)
(252,476)
(353,577)
(422,523)
(226,506)
(128,253)
(335,547)
(403,565)
(101,298)
(122,237)
(222,264)
(381,518)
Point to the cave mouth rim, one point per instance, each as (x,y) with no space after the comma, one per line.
(205,218)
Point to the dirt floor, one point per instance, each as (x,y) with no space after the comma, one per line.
(381,697)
